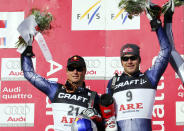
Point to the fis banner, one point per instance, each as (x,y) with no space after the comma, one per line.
(101,15)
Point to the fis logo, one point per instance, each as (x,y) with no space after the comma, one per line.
(9,22)
(119,14)
(97,5)
(101,15)
(88,16)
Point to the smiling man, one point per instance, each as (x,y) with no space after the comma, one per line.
(130,58)
(134,92)
(68,100)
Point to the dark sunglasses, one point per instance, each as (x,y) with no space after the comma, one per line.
(127,58)
(72,68)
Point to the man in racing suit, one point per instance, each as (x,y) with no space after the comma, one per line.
(69,99)
(134,92)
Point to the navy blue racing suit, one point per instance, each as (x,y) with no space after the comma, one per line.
(65,106)
(176,61)
(134,95)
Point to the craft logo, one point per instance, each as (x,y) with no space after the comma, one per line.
(17,115)
(179,113)
(11,69)
(9,22)
(131,82)
(71,97)
(101,15)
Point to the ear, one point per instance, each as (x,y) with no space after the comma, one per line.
(66,69)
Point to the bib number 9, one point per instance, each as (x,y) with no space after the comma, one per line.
(129,95)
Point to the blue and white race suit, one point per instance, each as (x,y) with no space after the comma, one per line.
(65,106)
(135,95)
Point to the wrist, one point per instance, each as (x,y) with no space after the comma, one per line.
(28,52)
(155,24)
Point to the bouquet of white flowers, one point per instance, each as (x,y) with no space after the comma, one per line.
(43,21)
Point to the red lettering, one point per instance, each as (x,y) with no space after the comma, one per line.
(122,107)
(16,73)
(130,106)
(64,120)
(118,72)
(10,119)
(16,119)
(92,72)
(71,120)
(139,106)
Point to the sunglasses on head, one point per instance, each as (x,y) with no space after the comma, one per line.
(72,68)
(125,58)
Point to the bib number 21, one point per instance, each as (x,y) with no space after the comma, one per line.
(73,110)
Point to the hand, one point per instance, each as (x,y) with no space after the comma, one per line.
(92,114)
(153,14)
(29,51)
(169,11)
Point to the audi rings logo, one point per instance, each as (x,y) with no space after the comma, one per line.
(12,64)
(116,64)
(17,110)
(95,63)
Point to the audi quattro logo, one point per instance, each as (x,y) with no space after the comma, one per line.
(17,110)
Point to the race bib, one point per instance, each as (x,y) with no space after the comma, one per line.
(64,114)
(134,103)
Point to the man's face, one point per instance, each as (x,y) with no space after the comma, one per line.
(130,64)
(76,73)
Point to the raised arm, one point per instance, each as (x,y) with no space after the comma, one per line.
(46,86)
(161,62)
(155,72)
